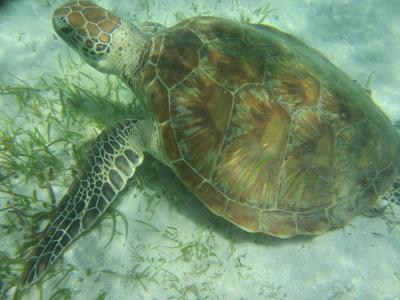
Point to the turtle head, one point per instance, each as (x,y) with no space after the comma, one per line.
(100,37)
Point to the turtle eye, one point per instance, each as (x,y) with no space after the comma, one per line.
(61,25)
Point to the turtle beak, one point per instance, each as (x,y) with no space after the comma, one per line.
(87,28)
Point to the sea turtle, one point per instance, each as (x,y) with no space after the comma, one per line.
(263,129)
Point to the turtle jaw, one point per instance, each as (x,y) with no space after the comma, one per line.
(89,30)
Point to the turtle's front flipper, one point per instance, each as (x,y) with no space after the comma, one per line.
(111,162)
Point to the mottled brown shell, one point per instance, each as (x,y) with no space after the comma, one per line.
(264,129)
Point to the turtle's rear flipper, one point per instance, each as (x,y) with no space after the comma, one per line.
(393,194)
(111,162)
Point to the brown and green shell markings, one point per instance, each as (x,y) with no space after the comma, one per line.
(266,131)
(263,129)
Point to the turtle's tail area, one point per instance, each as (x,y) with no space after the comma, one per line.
(111,162)
(393,194)
(396,190)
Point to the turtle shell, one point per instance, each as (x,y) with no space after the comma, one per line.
(264,130)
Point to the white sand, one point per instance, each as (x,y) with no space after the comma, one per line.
(360,261)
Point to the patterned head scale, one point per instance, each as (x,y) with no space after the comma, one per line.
(87,28)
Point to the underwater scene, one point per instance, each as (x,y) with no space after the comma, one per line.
(193,149)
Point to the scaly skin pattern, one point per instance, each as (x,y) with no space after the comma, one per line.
(86,27)
(110,163)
